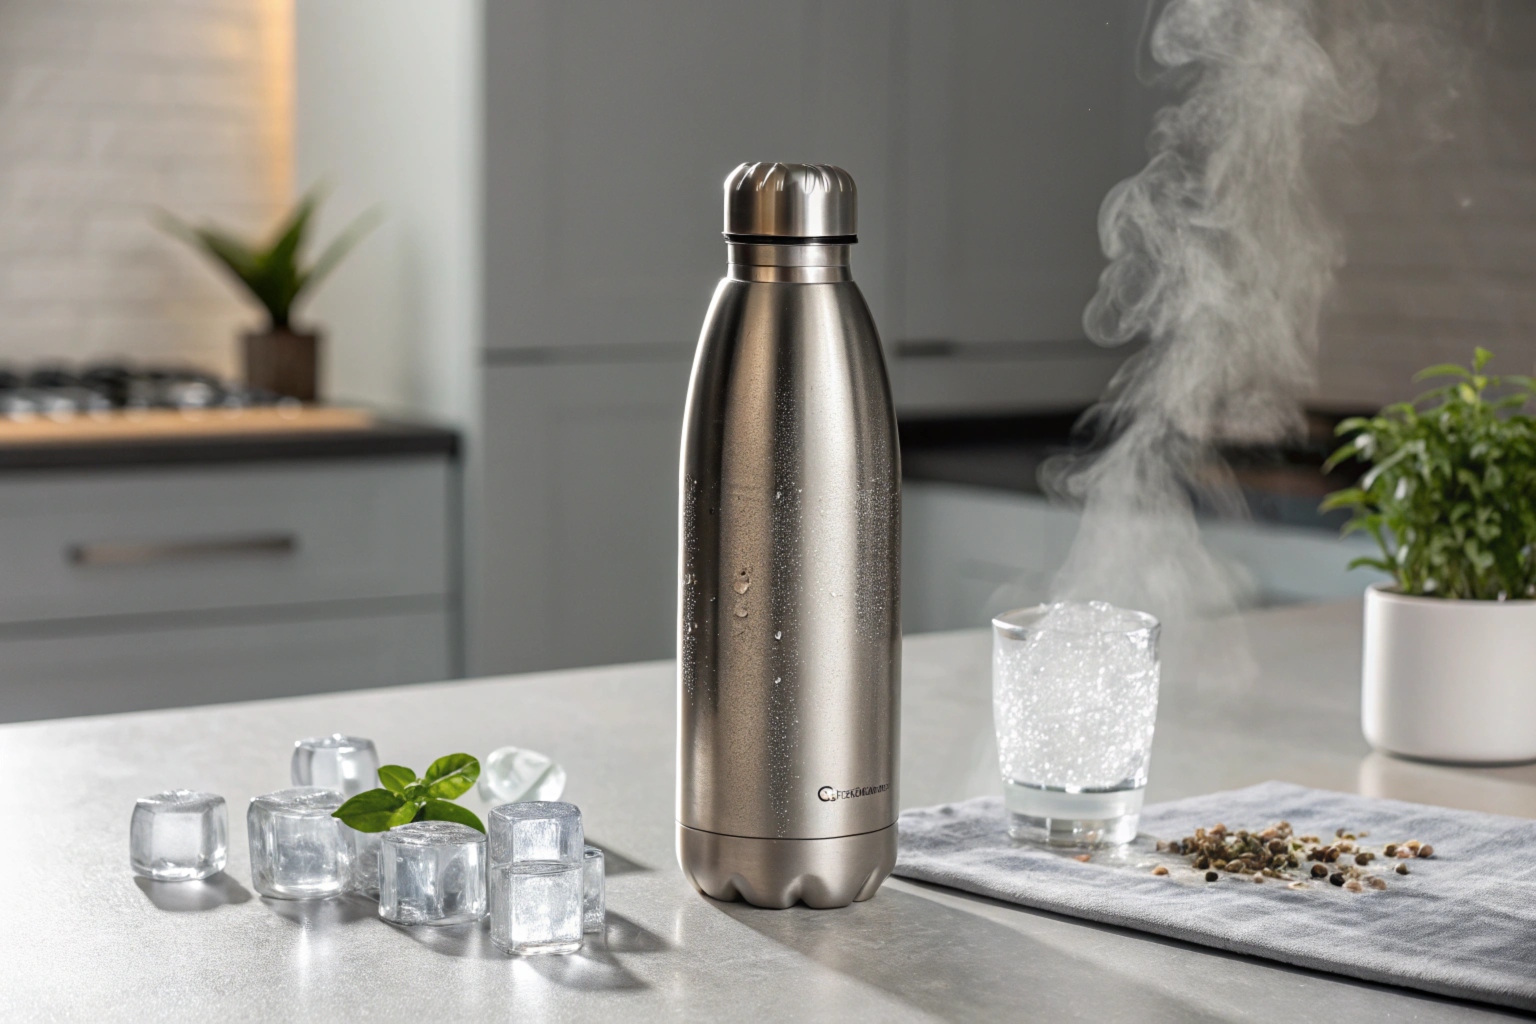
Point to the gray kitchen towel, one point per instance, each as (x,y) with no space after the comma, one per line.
(1463,923)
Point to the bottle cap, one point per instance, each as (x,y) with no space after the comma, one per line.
(785,203)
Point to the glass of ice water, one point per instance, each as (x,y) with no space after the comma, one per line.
(1074,700)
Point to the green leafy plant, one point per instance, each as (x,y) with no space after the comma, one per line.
(275,272)
(1451,493)
(404,797)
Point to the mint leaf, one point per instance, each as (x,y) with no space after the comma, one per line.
(442,810)
(395,778)
(405,814)
(450,776)
(370,811)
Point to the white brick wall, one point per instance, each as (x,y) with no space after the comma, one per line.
(109,108)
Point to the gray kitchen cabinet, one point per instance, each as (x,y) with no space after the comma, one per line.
(214,658)
(577,563)
(1018,118)
(92,544)
(969,553)
(612,126)
(136,586)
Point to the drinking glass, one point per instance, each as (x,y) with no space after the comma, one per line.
(1074,699)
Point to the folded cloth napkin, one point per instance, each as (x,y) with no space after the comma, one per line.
(1462,923)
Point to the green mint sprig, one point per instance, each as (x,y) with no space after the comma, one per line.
(405,798)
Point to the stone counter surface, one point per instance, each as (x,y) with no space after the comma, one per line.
(84,940)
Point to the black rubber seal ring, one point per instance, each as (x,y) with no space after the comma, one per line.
(791,239)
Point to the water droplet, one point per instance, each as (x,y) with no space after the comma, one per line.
(778,634)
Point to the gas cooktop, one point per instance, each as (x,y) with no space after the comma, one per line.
(58,392)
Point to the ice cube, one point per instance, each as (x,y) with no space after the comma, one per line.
(362,861)
(594,910)
(536,830)
(178,836)
(537,854)
(510,774)
(347,764)
(297,848)
(432,872)
(536,907)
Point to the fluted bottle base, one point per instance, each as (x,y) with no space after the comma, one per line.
(778,873)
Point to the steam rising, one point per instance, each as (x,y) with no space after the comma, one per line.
(1221,256)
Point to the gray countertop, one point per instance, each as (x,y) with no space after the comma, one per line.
(83,939)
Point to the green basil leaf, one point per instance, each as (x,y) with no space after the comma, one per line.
(395,778)
(407,813)
(370,811)
(451,776)
(442,810)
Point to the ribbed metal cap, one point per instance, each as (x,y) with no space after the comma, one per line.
(791,202)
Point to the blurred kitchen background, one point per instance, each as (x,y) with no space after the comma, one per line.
(518,331)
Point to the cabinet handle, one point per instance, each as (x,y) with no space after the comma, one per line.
(113,553)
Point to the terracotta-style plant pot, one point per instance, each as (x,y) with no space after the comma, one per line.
(283,361)
(1450,681)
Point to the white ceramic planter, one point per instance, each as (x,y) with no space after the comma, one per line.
(1449,680)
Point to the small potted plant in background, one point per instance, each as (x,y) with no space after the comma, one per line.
(282,358)
(1449,672)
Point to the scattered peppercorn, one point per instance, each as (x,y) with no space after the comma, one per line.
(1275,852)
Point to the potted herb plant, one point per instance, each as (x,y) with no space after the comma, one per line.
(282,357)
(1449,672)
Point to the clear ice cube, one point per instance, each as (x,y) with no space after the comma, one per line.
(511,774)
(536,830)
(594,909)
(536,907)
(362,861)
(347,764)
(297,848)
(432,872)
(178,836)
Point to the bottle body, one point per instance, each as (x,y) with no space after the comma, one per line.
(789,612)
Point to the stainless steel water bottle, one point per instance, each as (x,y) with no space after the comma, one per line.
(789,636)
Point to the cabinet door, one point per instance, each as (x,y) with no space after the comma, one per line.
(70,671)
(577,520)
(610,128)
(1021,115)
